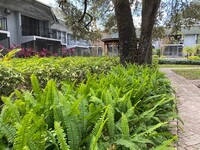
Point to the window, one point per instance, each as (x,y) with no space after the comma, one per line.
(70,39)
(31,26)
(3,23)
(63,37)
(59,35)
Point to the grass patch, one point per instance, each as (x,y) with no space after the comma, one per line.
(190,74)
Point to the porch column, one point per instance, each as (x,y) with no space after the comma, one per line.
(105,51)
(34,45)
(113,49)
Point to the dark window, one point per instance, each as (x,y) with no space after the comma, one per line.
(3,23)
(31,26)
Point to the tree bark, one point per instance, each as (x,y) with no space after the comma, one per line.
(127,35)
(149,12)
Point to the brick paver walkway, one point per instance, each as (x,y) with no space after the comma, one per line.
(188,96)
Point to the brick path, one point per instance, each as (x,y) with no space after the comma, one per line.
(188,96)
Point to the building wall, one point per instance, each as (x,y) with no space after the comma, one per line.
(189,40)
(13,26)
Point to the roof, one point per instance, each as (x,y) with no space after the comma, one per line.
(59,26)
(191,30)
(59,14)
(111,37)
(115,36)
(30,8)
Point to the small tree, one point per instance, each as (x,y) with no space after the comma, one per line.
(189,50)
(197,49)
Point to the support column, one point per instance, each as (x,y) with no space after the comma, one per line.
(34,45)
(113,50)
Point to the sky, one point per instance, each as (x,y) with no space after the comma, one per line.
(49,2)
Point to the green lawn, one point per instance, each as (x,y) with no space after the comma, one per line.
(190,74)
(177,66)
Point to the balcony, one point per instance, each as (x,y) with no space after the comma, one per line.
(38,31)
(3,24)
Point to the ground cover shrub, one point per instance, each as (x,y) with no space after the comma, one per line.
(9,79)
(193,58)
(17,72)
(179,61)
(155,60)
(127,108)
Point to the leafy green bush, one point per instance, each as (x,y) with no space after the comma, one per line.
(193,58)
(189,50)
(9,79)
(129,108)
(15,71)
(155,60)
(179,61)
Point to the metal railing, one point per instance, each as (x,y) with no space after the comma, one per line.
(3,23)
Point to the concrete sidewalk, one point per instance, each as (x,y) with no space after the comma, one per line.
(188,96)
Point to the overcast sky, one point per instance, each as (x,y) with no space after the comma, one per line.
(49,2)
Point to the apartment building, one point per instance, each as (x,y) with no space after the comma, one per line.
(79,47)
(32,24)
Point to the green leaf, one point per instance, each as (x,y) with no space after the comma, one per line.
(61,136)
(125,127)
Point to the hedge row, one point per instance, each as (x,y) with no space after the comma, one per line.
(16,73)
(179,61)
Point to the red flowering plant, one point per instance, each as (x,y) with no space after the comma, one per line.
(44,53)
(26,53)
(1,47)
(64,52)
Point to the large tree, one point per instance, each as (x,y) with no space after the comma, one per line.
(132,49)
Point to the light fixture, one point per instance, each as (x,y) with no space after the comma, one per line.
(7,11)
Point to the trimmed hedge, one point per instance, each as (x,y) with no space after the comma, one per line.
(178,61)
(16,73)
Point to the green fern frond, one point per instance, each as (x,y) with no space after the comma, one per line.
(49,93)
(125,127)
(111,121)
(61,136)
(11,109)
(97,131)
(93,145)
(167,145)
(83,116)
(8,131)
(31,133)
(128,144)
(73,131)
(57,107)
(52,140)
(21,135)
(36,88)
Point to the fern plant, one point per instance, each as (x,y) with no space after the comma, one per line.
(127,108)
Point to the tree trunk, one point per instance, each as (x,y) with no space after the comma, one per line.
(149,12)
(127,35)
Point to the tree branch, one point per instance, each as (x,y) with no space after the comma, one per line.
(84,12)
